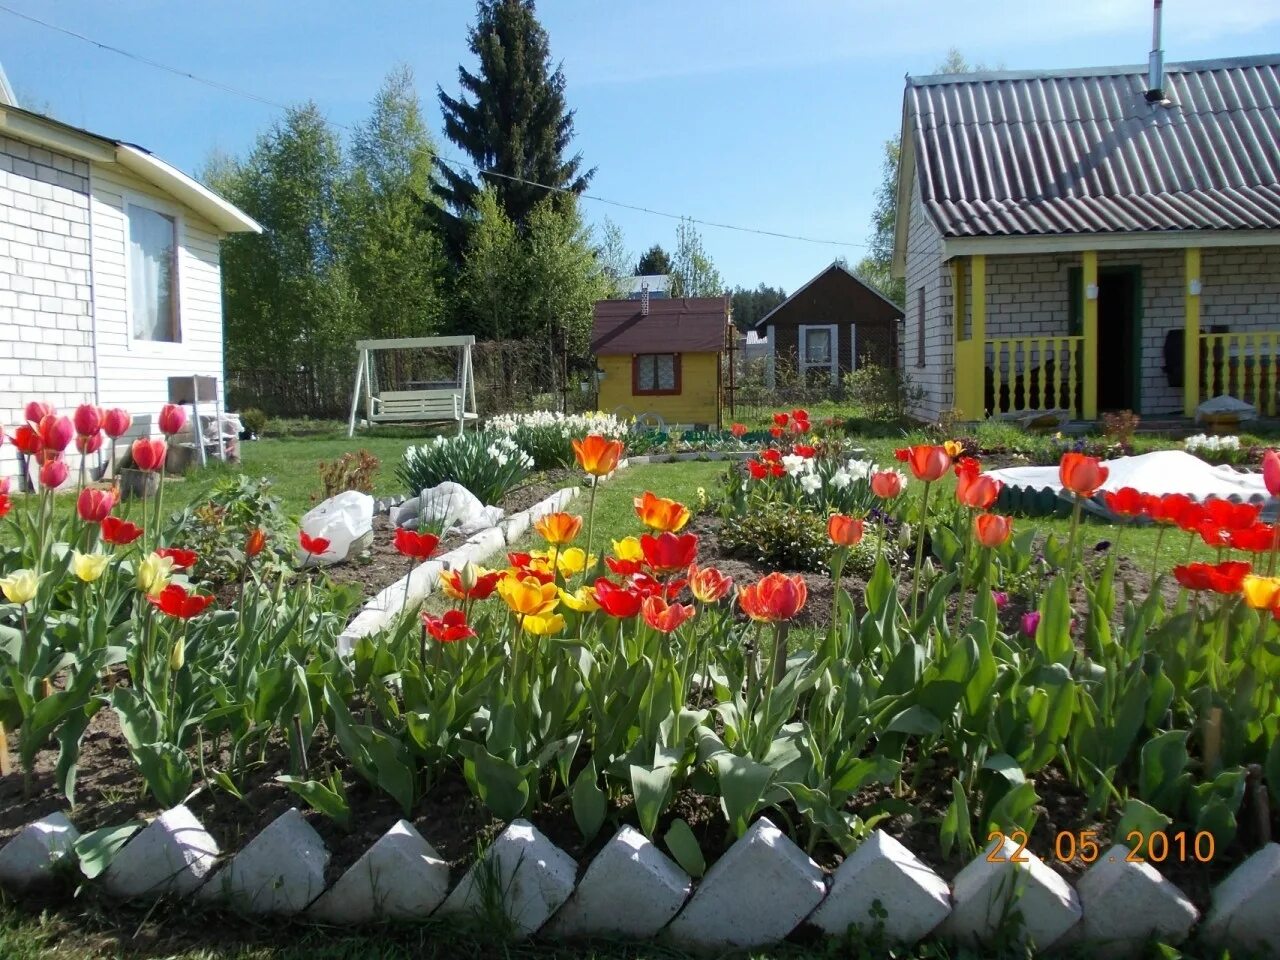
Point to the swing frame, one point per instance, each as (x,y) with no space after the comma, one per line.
(453,404)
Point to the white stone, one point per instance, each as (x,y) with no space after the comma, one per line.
(756,894)
(35,853)
(631,890)
(534,878)
(281,870)
(1126,904)
(987,892)
(401,877)
(173,854)
(515,526)
(1246,905)
(883,875)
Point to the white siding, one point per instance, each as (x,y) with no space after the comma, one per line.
(926,271)
(134,374)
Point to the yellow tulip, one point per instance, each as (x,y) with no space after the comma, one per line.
(954,448)
(1261,593)
(628,548)
(573,561)
(582,600)
(20,587)
(529,597)
(153,574)
(178,656)
(88,566)
(543,626)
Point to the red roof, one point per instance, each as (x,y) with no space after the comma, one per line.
(687,325)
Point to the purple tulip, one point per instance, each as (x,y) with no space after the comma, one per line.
(1031,623)
(1001,598)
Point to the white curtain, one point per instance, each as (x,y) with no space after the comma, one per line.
(152,261)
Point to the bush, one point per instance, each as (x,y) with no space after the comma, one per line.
(351,471)
(548,436)
(778,536)
(253,420)
(218,528)
(882,392)
(1119,427)
(490,465)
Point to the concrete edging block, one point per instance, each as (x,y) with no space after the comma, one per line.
(36,852)
(280,871)
(400,877)
(173,854)
(1246,905)
(1126,904)
(758,892)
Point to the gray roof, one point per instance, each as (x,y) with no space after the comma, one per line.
(7,97)
(1082,151)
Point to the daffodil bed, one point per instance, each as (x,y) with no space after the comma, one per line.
(972,678)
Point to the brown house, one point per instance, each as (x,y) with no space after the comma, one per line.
(832,325)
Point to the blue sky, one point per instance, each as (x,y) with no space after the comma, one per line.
(763,113)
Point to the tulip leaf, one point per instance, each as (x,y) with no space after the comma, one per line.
(1140,818)
(650,787)
(500,784)
(96,849)
(683,846)
(328,797)
(1014,809)
(743,785)
(956,832)
(589,802)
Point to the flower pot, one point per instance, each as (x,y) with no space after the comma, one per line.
(138,483)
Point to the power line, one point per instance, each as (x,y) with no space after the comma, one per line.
(463,164)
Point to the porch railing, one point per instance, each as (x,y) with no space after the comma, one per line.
(1026,374)
(1243,365)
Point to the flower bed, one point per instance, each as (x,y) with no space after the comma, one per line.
(959,689)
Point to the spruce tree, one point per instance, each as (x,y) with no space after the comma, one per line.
(654,261)
(511,118)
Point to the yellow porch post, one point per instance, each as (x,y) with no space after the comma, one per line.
(1191,346)
(970,389)
(1089,272)
(960,352)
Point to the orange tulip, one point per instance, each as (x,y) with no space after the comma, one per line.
(661,514)
(775,597)
(844,531)
(665,617)
(559,527)
(991,529)
(708,584)
(974,489)
(1081,474)
(597,455)
(928,463)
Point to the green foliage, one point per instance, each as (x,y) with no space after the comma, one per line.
(489,465)
(253,420)
(653,262)
(217,527)
(693,274)
(354,470)
(779,536)
(881,393)
(750,306)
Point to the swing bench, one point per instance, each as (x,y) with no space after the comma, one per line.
(425,390)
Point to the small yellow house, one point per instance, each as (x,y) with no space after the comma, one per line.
(661,357)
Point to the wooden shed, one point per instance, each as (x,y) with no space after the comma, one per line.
(831,325)
(662,357)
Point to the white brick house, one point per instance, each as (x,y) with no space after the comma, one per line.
(109,274)
(1073,241)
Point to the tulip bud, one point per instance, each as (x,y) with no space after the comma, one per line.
(116,422)
(178,656)
(36,411)
(469,576)
(172,419)
(87,419)
(53,474)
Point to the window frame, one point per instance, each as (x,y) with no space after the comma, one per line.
(174,212)
(920,328)
(833,352)
(635,375)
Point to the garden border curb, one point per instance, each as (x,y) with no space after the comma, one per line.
(1114,903)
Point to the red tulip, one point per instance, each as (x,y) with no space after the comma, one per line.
(90,443)
(844,531)
(93,505)
(27,439)
(1125,502)
(665,617)
(255,543)
(757,469)
(419,546)
(1271,472)
(450,627)
(1231,516)
(53,474)
(116,422)
(886,484)
(174,601)
(1224,578)
(4,485)
(928,463)
(519,560)
(148,454)
(775,432)
(87,419)
(974,489)
(36,411)
(668,552)
(119,532)
(1260,538)
(1082,474)
(799,426)
(774,597)
(648,586)
(738,430)
(991,529)
(315,546)
(172,419)
(1174,508)
(804,450)
(780,419)
(5,504)
(800,414)
(1213,535)
(182,559)
(771,455)
(56,432)
(617,601)
(708,584)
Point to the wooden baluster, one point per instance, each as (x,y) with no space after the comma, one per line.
(1071,375)
(995,376)
(1048,352)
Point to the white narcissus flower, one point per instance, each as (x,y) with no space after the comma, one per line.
(841,479)
(795,464)
(811,483)
(859,469)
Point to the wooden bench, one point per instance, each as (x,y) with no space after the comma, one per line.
(407,406)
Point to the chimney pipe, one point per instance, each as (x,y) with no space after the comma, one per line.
(1155,65)
(644,298)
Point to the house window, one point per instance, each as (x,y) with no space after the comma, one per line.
(919,326)
(655,373)
(819,349)
(153,275)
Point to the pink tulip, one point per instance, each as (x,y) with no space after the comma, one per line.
(93,505)
(1001,599)
(116,422)
(1031,623)
(89,444)
(172,419)
(53,474)
(149,454)
(37,411)
(87,419)
(1271,472)
(56,432)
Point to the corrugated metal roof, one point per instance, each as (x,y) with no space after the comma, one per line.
(685,325)
(1082,151)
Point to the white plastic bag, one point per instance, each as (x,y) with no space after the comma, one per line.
(346,521)
(451,503)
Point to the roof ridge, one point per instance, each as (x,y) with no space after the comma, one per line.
(1074,73)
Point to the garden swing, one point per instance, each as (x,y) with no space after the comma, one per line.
(414,380)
